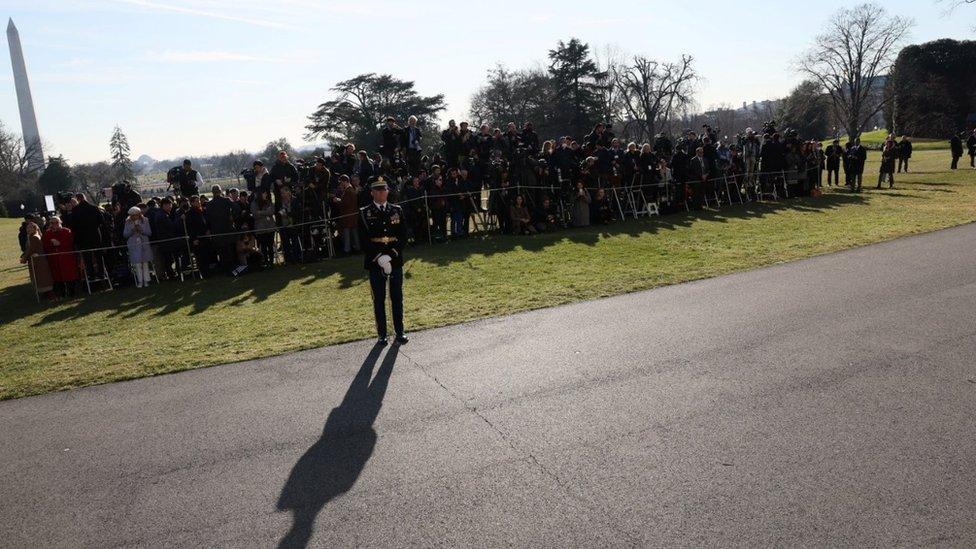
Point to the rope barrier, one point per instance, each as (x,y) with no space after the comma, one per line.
(426,195)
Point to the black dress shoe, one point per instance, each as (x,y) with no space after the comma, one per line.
(401,339)
(381,342)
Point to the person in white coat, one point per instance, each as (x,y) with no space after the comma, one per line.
(136,233)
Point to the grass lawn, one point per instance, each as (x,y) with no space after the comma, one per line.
(133,333)
(874,140)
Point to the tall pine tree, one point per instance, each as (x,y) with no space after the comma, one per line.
(577,88)
(121,163)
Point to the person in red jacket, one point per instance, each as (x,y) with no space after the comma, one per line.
(64,265)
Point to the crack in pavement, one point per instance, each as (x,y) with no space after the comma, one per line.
(592,507)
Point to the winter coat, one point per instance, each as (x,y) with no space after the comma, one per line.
(137,240)
(581,208)
(37,266)
(264,220)
(64,266)
(349,209)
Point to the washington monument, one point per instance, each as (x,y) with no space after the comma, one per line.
(28,120)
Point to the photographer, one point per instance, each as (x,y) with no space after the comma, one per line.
(530,140)
(484,143)
(662,146)
(125,196)
(452,143)
(392,136)
(412,137)
(283,174)
(262,179)
(545,217)
(189,180)
(510,142)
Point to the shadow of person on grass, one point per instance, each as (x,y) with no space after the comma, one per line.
(333,464)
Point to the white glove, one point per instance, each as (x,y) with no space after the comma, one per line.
(384,262)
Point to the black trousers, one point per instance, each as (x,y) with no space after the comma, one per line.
(377,283)
(902,163)
(955,162)
(833,176)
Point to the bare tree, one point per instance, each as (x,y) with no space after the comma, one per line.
(18,172)
(511,96)
(610,61)
(953,4)
(653,92)
(851,57)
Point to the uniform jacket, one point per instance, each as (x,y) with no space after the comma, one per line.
(387,224)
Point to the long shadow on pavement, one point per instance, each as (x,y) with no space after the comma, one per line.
(333,464)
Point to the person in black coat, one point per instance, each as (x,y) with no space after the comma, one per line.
(530,139)
(283,174)
(700,176)
(391,135)
(262,178)
(383,235)
(189,180)
(679,172)
(364,166)
(856,158)
(772,157)
(904,153)
(955,147)
(86,224)
(166,228)
(220,219)
(198,231)
(452,143)
(833,155)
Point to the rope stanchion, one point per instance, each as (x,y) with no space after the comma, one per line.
(33,276)
(427,225)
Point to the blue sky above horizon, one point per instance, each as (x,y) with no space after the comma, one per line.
(209,76)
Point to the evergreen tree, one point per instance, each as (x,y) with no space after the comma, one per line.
(930,89)
(806,109)
(577,93)
(121,163)
(362,104)
(56,177)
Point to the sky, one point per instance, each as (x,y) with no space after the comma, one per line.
(194,77)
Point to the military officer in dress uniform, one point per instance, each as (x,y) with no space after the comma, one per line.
(383,236)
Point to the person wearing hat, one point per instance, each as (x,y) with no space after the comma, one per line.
(136,233)
(383,236)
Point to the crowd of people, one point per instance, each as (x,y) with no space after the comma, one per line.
(479,179)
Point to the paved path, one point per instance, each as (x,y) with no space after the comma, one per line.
(826,402)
